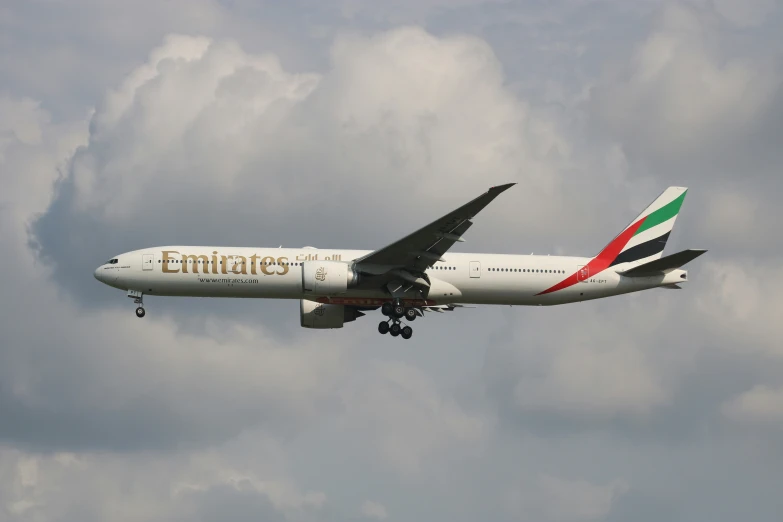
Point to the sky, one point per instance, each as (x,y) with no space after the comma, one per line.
(348,124)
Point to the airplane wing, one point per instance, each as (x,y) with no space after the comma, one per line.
(423,248)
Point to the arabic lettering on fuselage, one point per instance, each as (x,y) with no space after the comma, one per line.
(174,262)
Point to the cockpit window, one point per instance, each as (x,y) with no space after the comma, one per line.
(112,261)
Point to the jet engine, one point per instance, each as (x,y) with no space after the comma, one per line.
(318,315)
(327,278)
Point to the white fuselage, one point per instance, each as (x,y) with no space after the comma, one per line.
(276,273)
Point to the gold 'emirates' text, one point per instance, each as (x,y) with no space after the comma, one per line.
(174,263)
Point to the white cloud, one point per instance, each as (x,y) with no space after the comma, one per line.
(679,94)
(203,119)
(573,365)
(564,500)
(99,366)
(747,12)
(374,510)
(409,421)
(742,302)
(193,95)
(759,405)
(586,379)
(32,149)
(147,487)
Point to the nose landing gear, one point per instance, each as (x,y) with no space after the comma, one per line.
(138,298)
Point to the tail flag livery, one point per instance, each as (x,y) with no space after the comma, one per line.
(641,242)
(645,238)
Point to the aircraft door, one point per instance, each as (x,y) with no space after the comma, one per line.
(146,262)
(475,269)
(582,273)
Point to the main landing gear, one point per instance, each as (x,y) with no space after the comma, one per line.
(396,311)
(138,298)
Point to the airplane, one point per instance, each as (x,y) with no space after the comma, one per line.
(413,275)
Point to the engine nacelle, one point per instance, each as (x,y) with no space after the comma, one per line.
(327,278)
(318,315)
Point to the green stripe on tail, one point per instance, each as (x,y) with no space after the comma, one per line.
(664,213)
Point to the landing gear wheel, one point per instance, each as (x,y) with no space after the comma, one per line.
(395,329)
(407,332)
(387,309)
(399,311)
(140,312)
(383,327)
(410,314)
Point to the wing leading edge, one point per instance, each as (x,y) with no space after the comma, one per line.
(423,248)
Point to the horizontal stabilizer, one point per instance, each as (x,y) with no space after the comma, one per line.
(663,264)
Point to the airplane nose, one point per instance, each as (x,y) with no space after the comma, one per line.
(98,274)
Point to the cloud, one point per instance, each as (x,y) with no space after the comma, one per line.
(408,420)
(741,302)
(557,372)
(750,13)
(227,409)
(762,404)
(556,498)
(679,95)
(65,486)
(32,150)
(73,72)
(374,510)
(583,380)
(204,125)
(94,379)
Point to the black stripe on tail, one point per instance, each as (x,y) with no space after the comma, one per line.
(642,250)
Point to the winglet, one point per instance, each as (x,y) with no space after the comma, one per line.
(501,188)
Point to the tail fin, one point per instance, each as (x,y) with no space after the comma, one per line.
(645,238)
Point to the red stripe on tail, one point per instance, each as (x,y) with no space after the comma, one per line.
(602,261)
